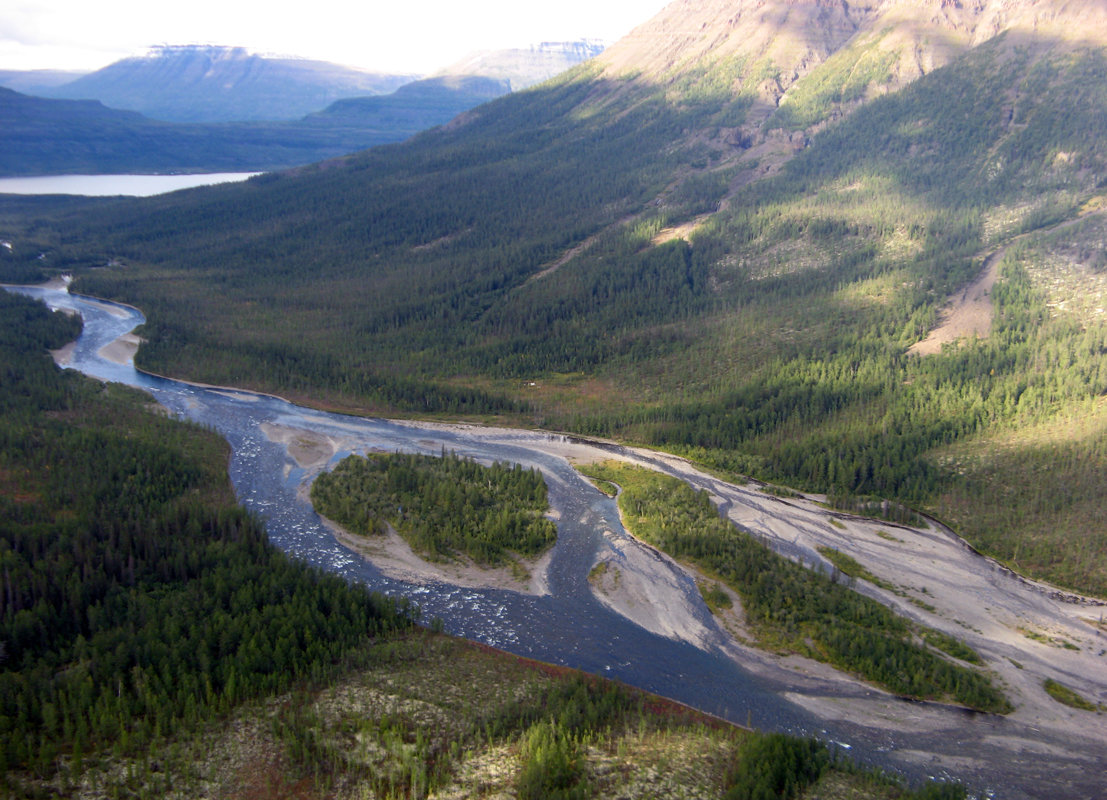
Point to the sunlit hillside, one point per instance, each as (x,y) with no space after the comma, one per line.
(723,237)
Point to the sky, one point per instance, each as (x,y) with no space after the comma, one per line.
(396,36)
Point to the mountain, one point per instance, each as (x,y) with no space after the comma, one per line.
(735,236)
(525,66)
(208,83)
(414,106)
(55,136)
(35,81)
(43,136)
(724,237)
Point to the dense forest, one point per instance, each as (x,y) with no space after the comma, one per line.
(443,506)
(154,644)
(795,608)
(137,598)
(517,265)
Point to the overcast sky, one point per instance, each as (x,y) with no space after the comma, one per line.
(394,36)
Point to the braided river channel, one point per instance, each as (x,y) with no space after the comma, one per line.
(670,645)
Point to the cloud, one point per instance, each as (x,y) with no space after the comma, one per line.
(419,35)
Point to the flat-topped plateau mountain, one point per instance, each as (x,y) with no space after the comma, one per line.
(214,83)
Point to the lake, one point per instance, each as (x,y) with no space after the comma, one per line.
(113,185)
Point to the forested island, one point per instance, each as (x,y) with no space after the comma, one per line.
(796,609)
(154,644)
(444,506)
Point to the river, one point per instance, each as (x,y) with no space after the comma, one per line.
(569,626)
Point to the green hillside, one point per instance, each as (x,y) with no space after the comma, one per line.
(662,255)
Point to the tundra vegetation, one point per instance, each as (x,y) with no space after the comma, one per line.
(794,609)
(153,644)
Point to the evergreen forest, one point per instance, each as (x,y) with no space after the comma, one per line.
(154,644)
(443,506)
(793,608)
(737,254)
(599,255)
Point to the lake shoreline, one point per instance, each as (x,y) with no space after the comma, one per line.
(115,184)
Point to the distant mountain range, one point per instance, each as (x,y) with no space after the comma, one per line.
(38,81)
(43,136)
(208,83)
(526,66)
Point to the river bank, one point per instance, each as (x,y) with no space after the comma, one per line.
(659,635)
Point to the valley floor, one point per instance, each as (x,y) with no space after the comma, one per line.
(1026,632)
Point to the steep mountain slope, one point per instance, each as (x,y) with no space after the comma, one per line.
(722,237)
(209,83)
(522,67)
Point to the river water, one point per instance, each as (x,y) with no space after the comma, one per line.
(567,626)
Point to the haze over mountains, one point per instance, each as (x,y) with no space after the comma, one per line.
(286,112)
(209,83)
(37,81)
(44,137)
(525,66)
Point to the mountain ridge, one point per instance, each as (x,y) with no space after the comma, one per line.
(214,83)
(44,136)
(774,45)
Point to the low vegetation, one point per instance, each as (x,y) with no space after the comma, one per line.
(715,597)
(848,565)
(1065,695)
(793,608)
(443,506)
(421,715)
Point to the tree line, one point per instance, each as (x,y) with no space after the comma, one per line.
(135,598)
